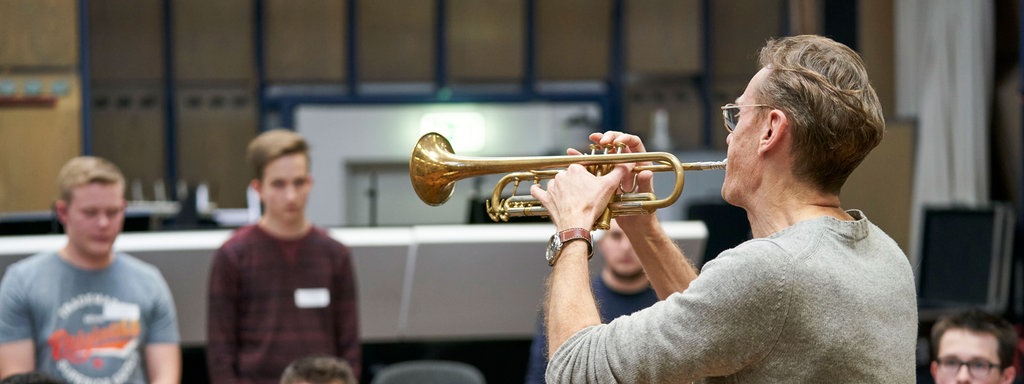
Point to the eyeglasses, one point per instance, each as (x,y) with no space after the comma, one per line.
(979,369)
(731,114)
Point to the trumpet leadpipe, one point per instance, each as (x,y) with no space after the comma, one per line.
(705,165)
(697,166)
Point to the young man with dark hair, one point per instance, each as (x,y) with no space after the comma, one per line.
(318,370)
(973,347)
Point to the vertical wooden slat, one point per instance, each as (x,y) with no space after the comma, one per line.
(214,129)
(877,47)
(126,40)
(485,40)
(573,39)
(396,41)
(305,40)
(128,129)
(38,33)
(739,30)
(663,37)
(34,143)
(213,40)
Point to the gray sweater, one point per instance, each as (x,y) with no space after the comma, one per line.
(823,301)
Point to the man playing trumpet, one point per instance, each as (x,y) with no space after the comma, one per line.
(819,295)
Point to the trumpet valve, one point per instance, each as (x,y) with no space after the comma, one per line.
(519,206)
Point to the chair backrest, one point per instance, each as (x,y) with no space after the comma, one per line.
(429,372)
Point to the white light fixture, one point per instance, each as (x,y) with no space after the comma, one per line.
(465,130)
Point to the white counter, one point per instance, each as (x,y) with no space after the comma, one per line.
(431,282)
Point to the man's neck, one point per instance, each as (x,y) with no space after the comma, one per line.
(782,206)
(624,285)
(83,261)
(285,229)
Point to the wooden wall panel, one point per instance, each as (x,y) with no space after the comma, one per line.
(875,31)
(681,106)
(38,33)
(664,37)
(213,40)
(882,185)
(396,41)
(34,143)
(485,40)
(806,17)
(126,40)
(739,30)
(305,41)
(128,129)
(573,39)
(214,129)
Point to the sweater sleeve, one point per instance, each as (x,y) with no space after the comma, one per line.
(729,318)
(222,315)
(347,311)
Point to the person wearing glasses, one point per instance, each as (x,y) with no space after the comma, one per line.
(973,347)
(819,295)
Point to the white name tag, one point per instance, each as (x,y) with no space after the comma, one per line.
(120,311)
(312,297)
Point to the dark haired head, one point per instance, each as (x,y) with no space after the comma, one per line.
(978,321)
(320,369)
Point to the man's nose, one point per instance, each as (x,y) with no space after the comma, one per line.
(963,375)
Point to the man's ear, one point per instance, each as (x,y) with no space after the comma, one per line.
(61,208)
(257,186)
(1009,374)
(777,131)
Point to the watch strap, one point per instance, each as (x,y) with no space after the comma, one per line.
(571,234)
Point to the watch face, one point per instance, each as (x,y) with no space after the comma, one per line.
(554,245)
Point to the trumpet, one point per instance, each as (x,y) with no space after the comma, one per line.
(434,168)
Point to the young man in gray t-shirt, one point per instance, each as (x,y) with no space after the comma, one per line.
(85,313)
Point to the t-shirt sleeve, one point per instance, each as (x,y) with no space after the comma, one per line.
(163,323)
(15,318)
(221,319)
(727,319)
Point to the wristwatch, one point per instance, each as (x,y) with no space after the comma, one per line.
(560,238)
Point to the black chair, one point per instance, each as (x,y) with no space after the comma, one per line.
(429,372)
(727,226)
